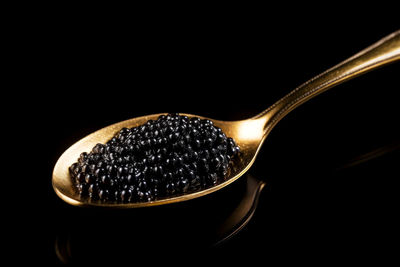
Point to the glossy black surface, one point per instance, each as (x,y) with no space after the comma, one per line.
(313,209)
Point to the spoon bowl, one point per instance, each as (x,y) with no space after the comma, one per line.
(64,188)
(248,134)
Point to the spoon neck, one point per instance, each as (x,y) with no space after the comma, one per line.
(384,51)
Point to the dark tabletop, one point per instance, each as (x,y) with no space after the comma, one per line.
(330,167)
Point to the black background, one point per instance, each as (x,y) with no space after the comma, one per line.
(80,78)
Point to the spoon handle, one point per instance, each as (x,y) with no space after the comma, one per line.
(383,52)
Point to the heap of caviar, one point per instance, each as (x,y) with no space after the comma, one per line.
(170,156)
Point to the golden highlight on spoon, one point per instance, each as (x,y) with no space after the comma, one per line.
(248,134)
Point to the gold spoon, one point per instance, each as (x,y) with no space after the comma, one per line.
(249,134)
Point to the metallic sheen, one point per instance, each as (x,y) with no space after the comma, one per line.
(249,134)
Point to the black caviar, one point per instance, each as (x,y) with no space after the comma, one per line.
(170,156)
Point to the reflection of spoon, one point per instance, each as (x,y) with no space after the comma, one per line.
(381,151)
(249,134)
(244,211)
(197,226)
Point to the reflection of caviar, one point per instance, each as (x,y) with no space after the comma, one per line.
(170,156)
